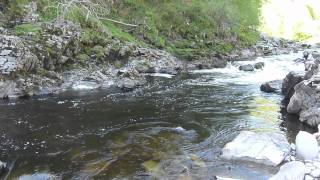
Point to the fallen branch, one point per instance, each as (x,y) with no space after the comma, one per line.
(119,22)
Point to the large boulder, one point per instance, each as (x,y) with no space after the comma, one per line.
(288,84)
(303,98)
(294,170)
(306,146)
(267,148)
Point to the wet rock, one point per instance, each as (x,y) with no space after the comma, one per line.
(306,146)
(3,167)
(303,97)
(259,65)
(271,86)
(306,54)
(146,60)
(129,80)
(288,84)
(247,67)
(294,170)
(268,148)
(266,87)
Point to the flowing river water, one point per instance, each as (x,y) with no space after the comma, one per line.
(170,128)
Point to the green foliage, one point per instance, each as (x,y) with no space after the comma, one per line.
(191,28)
(300,36)
(187,28)
(24,29)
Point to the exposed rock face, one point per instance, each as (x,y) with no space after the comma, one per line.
(288,84)
(58,44)
(305,95)
(268,149)
(294,170)
(15,56)
(247,67)
(146,60)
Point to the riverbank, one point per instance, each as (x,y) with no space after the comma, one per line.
(54,59)
(46,57)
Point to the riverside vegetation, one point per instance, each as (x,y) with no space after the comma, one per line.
(117,40)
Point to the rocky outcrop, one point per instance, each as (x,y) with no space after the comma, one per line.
(288,84)
(146,60)
(59,43)
(268,148)
(15,56)
(303,97)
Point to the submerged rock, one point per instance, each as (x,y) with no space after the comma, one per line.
(294,170)
(248,67)
(267,148)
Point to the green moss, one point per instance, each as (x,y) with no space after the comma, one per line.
(82,58)
(24,29)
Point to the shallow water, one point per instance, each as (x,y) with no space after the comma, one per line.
(170,128)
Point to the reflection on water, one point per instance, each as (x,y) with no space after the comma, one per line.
(170,128)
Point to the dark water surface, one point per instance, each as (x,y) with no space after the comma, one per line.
(168,129)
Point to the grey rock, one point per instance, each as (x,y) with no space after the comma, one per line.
(3,167)
(294,170)
(288,84)
(266,87)
(265,148)
(303,97)
(15,56)
(259,65)
(247,67)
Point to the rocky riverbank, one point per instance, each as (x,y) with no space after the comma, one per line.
(301,90)
(56,58)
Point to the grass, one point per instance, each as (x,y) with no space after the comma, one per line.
(24,29)
(187,28)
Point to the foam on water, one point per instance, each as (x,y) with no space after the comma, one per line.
(276,68)
(160,75)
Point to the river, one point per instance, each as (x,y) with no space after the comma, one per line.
(170,128)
